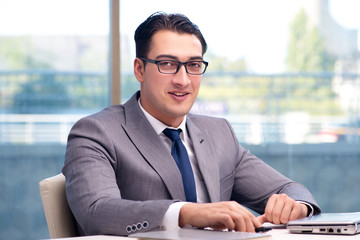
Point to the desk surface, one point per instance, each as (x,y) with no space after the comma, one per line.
(276,234)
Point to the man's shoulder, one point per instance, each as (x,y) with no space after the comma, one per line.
(204,121)
(204,118)
(108,114)
(218,129)
(111,110)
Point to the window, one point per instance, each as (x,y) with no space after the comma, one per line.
(284,73)
(54,69)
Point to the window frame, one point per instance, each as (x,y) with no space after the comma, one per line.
(114,52)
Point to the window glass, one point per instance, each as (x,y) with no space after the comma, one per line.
(53,70)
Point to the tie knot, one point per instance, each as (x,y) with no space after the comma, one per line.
(173,134)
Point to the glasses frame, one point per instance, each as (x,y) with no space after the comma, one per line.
(157,63)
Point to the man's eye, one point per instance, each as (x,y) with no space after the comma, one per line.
(168,64)
(194,65)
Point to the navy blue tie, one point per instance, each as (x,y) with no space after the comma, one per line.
(179,153)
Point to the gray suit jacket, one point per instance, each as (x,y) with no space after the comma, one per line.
(120,178)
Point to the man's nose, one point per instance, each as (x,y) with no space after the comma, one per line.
(181,77)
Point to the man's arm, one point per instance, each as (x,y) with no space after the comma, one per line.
(263,189)
(270,193)
(92,189)
(255,182)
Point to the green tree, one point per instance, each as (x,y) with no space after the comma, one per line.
(19,53)
(41,94)
(40,89)
(222,63)
(306,49)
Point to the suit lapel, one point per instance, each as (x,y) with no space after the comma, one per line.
(208,166)
(149,144)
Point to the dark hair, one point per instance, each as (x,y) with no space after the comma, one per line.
(163,21)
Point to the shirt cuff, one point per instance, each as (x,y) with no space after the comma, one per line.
(171,217)
(310,208)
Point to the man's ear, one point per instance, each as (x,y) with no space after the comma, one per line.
(139,69)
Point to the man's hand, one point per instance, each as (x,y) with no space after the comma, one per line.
(280,209)
(219,216)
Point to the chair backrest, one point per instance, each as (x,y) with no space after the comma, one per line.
(61,223)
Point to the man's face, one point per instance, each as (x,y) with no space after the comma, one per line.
(169,97)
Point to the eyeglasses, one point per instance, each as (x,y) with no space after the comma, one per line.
(196,67)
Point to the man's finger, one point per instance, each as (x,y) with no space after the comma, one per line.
(239,223)
(286,212)
(299,211)
(269,208)
(278,208)
(262,219)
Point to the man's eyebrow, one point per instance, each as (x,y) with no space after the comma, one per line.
(167,56)
(176,58)
(197,58)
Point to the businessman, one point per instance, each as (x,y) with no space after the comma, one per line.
(149,164)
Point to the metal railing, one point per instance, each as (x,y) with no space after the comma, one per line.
(36,128)
(261,108)
(54,128)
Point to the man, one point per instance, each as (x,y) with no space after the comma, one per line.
(121,167)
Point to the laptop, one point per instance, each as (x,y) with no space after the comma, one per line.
(327,223)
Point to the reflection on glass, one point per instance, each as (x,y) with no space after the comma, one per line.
(53,71)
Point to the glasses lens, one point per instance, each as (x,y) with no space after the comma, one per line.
(195,67)
(168,66)
(172,67)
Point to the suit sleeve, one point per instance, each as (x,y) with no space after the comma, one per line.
(255,182)
(91,186)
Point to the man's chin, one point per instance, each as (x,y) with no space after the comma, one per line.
(181,112)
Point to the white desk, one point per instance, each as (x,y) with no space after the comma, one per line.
(276,234)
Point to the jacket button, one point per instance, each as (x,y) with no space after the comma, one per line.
(133,228)
(139,226)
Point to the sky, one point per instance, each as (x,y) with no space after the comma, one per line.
(255,30)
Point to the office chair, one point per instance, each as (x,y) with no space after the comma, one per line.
(61,223)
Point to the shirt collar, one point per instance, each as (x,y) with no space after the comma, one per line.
(159,126)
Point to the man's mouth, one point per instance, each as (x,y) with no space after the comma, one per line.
(177,94)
